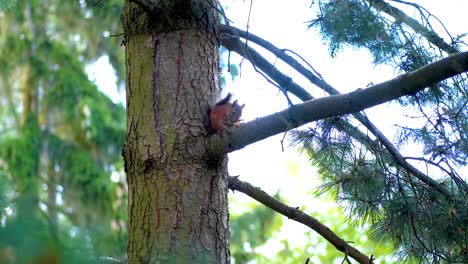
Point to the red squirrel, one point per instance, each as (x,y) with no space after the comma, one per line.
(225,114)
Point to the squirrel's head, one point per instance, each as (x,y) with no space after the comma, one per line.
(236,110)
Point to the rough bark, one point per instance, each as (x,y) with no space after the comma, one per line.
(177,205)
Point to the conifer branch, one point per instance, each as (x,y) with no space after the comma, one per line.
(234,44)
(401,17)
(229,39)
(337,105)
(297,215)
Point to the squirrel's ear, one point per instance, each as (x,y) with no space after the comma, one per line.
(237,104)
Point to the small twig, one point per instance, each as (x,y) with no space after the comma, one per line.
(346,259)
(458,180)
(461,108)
(305,61)
(116,35)
(282,140)
(219,10)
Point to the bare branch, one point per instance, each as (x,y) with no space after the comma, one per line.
(298,216)
(280,53)
(232,43)
(236,45)
(336,105)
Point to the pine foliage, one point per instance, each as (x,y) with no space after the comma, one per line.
(423,224)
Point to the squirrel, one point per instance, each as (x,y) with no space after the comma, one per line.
(225,114)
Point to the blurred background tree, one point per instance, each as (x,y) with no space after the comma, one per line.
(61,137)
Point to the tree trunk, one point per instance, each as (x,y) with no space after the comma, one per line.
(177,205)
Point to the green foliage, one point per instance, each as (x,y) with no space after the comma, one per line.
(443,134)
(420,222)
(368,182)
(352,22)
(406,216)
(250,230)
(7,4)
(27,241)
(336,220)
(228,70)
(14,149)
(261,235)
(61,138)
(355,23)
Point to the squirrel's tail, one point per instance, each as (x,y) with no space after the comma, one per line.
(225,100)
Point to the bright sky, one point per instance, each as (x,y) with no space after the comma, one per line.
(283,24)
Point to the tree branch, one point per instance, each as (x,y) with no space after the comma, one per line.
(230,41)
(457,179)
(240,47)
(236,45)
(336,105)
(401,17)
(295,214)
